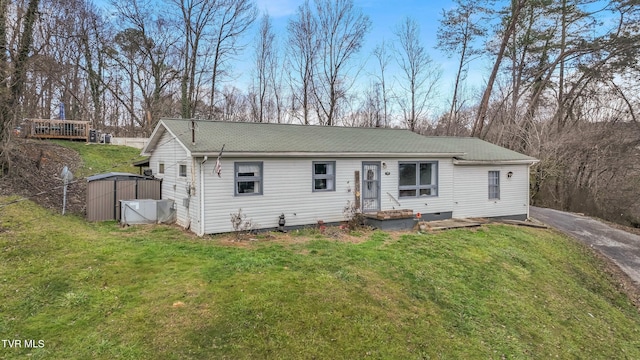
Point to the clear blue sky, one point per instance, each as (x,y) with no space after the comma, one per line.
(384,14)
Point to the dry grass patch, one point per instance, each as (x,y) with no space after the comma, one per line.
(301,236)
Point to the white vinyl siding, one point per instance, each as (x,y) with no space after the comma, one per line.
(285,188)
(171,154)
(470,191)
(286,191)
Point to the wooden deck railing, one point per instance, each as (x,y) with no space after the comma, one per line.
(58,129)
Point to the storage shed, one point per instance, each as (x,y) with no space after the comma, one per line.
(104,192)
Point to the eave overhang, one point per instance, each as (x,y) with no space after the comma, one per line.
(285,154)
(495,162)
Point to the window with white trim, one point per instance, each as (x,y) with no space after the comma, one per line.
(494,185)
(182,170)
(161,168)
(248,178)
(418,179)
(324,175)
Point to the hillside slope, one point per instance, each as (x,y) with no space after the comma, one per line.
(99,291)
(37,164)
(35,174)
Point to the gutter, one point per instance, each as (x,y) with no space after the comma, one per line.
(301,154)
(528,189)
(495,162)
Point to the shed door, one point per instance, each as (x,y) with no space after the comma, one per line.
(370,186)
(124,190)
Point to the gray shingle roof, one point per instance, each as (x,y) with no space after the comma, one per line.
(239,137)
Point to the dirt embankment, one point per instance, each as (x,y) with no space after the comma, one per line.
(35,174)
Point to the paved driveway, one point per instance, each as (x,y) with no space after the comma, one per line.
(620,246)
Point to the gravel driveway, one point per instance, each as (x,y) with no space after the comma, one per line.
(621,247)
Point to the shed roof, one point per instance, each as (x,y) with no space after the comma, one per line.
(240,137)
(142,162)
(116,176)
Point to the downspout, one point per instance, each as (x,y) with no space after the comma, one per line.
(201,230)
(528,188)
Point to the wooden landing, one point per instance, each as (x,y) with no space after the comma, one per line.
(474,222)
(447,224)
(533,224)
(57,129)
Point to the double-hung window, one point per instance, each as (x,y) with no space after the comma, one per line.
(494,185)
(324,175)
(182,170)
(418,178)
(161,168)
(248,178)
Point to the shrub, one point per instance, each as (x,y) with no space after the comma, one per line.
(354,217)
(241,225)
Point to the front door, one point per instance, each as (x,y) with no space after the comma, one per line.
(370,186)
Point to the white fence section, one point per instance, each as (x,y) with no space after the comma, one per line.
(137,143)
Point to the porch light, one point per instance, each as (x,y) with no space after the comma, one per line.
(509,174)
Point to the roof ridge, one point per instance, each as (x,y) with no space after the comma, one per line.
(288,124)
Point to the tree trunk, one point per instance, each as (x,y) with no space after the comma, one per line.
(9,104)
(478,125)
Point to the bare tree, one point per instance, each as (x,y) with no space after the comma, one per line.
(148,37)
(341,29)
(235,105)
(92,35)
(303,48)
(383,58)
(67,62)
(276,74)
(129,42)
(232,18)
(365,110)
(264,62)
(197,17)
(420,74)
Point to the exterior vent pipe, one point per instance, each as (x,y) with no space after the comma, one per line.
(193,132)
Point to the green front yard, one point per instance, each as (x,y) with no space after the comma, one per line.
(98,291)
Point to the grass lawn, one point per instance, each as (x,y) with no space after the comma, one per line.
(101,158)
(98,291)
